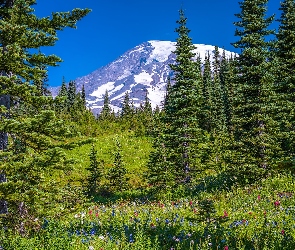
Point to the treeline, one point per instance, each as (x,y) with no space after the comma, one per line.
(237,120)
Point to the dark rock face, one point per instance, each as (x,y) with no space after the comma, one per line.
(142,69)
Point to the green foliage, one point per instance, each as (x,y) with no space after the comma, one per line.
(180,130)
(36,134)
(127,110)
(106,112)
(95,176)
(118,180)
(254,148)
(257,216)
(283,65)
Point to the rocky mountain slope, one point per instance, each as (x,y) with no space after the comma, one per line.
(143,69)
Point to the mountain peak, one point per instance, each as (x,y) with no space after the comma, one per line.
(143,69)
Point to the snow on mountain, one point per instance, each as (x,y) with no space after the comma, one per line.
(143,69)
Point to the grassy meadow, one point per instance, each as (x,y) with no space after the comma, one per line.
(209,214)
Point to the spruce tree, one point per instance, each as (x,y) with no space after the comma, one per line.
(83,96)
(253,126)
(181,132)
(71,95)
(226,76)
(284,65)
(94,178)
(35,133)
(126,107)
(117,173)
(106,109)
(219,119)
(207,122)
(62,97)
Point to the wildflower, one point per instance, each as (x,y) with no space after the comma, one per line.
(83,215)
(225,214)
(258,197)
(96,215)
(84,240)
(192,242)
(152,225)
(113,213)
(226,248)
(283,232)
(167,221)
(191,203)
(131,240)
(76,216)
(91,248)
(92,231)
(101,237)
(90,212)
(277,203)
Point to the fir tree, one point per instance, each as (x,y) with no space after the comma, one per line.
(94,179)
(226,76)
(106,109)
(83,96)
(254,147)
(63,89)
(207,95)
(36,130)
(126,107)
(62,98)
(218,113)
(71,95)
(117,173)
(181,131)
(168,88)
(284,65)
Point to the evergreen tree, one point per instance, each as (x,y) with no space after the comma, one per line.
(37,131)
(106,109)
(71,95)
(218,113)
(254,146)
(117,173)
(94,179)
(226,76)
(63,89)
(181,131)
(147,105)
(83,96)
(284,65)
(62,97)
(207,95)
(126,107)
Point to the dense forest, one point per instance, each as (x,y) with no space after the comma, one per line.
(212,168)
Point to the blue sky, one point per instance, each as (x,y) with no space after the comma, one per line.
(115,26)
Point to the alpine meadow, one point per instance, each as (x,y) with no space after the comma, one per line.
(212,167)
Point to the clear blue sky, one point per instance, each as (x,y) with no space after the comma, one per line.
(115,26)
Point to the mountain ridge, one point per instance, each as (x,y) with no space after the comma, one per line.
(140,70)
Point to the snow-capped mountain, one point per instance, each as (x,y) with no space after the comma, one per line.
(143,69)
